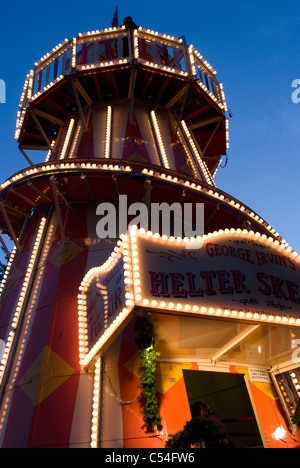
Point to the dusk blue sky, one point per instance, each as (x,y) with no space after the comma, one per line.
(255,48)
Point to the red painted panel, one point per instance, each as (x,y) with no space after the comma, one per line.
(134,143)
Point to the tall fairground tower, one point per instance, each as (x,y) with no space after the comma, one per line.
(116,335)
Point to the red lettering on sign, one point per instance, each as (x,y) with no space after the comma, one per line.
(223,278)
(262,278)
(293,289)
(278,287)
(225,251)
(239,281)
(207,275)
(192,291)
(277,290)
(177,282)
(159,281)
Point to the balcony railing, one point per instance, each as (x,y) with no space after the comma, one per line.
(115,46)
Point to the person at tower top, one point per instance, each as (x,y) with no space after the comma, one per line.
(129,24)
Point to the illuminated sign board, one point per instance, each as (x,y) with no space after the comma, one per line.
(105,298)
(104,302)
(234,274)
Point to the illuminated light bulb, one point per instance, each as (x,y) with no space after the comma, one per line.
(280,433)
(108,132)
(159,139)
(22,296)
(202,164)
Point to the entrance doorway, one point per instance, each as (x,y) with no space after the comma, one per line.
(227,396)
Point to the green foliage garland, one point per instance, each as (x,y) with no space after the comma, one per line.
(200,431)
(296,417)
(148,384)
(144,328)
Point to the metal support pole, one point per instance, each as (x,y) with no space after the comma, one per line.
(183,106)
(75,91)
(87,187)
(61,227)
(25,156)
(36,120)
(9,225)
(211,137)
(38,192)
(4,246)
(235,341)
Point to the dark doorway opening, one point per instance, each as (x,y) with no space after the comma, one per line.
(227,396)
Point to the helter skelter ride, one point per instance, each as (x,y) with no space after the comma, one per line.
(129,111)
